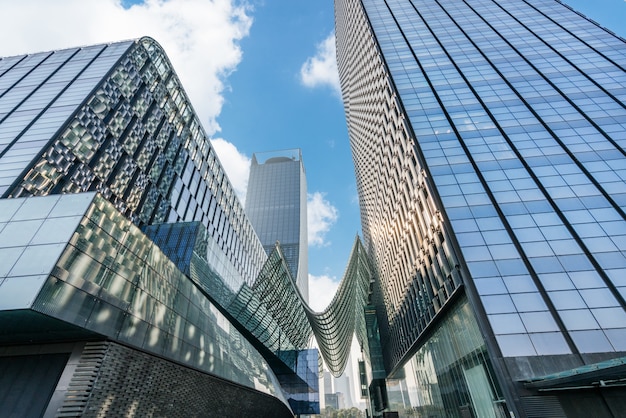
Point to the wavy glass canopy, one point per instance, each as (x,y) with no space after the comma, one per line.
(276,297)
(273,311)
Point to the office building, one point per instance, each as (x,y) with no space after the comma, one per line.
(276,206)
(488,141)
(131,280)
(96,143)
(97,321)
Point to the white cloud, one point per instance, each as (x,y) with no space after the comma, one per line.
(236,165)
(321,69)
(201,37)
(321,215)
(322,289)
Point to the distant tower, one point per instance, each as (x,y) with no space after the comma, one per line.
(276,206)
(97,142)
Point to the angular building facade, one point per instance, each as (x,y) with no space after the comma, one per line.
(97,321)
(276,203)
(131,280)
(85,294)
(488,141)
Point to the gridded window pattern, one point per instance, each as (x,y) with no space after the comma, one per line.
(109,278)
(276,202)
(518,109)
(115,119)
(304,396)
(402,224)
(33,235)
(450,375)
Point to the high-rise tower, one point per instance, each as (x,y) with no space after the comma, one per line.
(131,280)
(96,143)
(489,140)
(276,207)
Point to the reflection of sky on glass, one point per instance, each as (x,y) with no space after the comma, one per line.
(31,241)
(111,279)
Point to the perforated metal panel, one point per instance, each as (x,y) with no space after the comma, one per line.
(542,407)
(112,380)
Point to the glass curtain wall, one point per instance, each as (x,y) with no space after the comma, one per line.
(450,376)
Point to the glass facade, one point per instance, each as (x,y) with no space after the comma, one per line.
(276,204)
(488,140)
(120,123)
(34,230)
(304,396)
(450,375)
(114,119)
(39,92)
(403,228)
(110,279)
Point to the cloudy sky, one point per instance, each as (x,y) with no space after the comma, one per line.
(262,76)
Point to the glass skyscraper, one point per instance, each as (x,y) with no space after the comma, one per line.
(276,204)
(97,145)
(131,280)
(489,145)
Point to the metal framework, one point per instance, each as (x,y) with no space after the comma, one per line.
(274,311)
(116,120)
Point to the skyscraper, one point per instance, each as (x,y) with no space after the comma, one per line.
(488,141)
(276,206)
(98,145)
(131,280)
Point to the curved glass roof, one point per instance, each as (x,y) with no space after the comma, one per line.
(139,117)
(273,311)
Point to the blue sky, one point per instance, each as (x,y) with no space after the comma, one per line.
(241,65)
(268,107)
(609,13)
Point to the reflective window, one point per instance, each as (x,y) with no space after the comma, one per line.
(591,341)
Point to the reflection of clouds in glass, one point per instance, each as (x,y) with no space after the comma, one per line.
(153,337)
(103,316)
